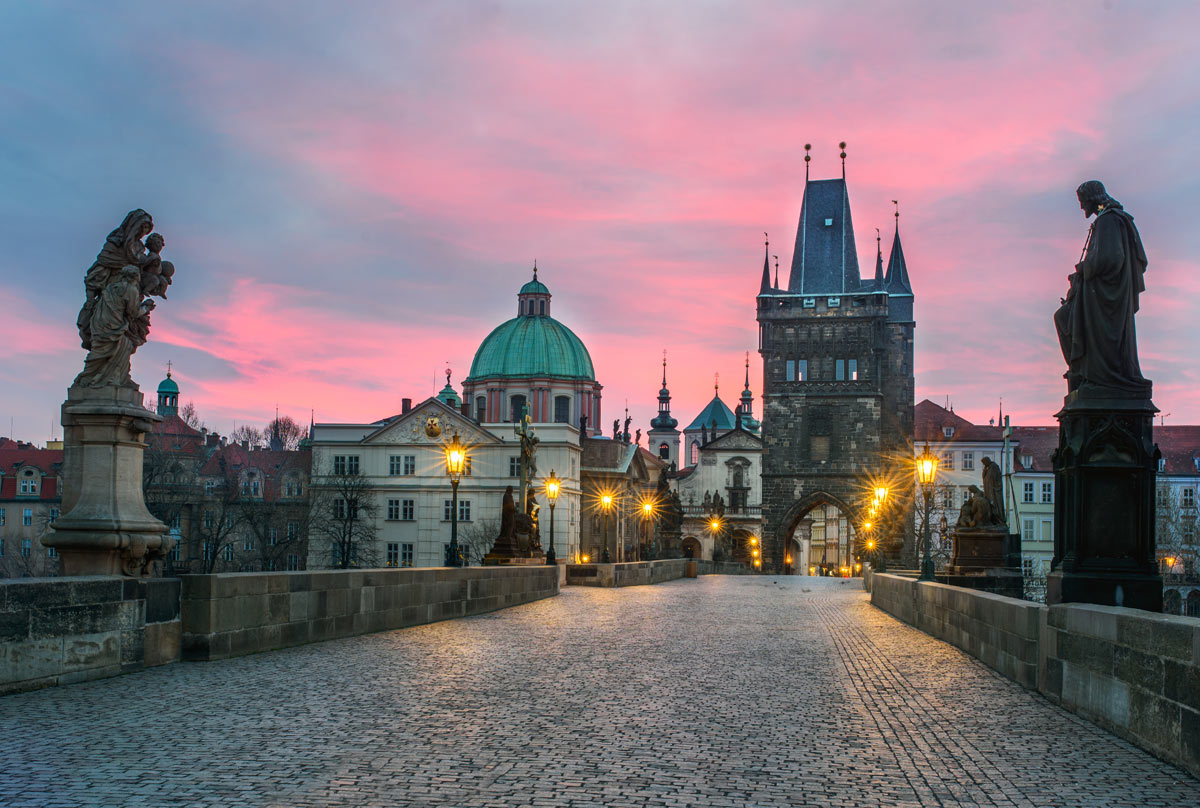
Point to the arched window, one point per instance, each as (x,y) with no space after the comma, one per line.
(516,405)
(541,307)
(1193,603)
(480,408)
(664,451)
(695,452)
(1172,603)
(562,409)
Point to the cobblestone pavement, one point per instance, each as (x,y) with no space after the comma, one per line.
(721,691)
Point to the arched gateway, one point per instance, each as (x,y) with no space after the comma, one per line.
(818,535)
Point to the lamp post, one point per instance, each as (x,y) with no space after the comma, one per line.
(714,523)
(927,465)
(553,486)
(456,460)
(606,502)
(647,515)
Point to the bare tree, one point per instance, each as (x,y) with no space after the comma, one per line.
(277,527)
(220,517)
(286,430)
(344,519)
(476,539)
(190,417)
(248,434)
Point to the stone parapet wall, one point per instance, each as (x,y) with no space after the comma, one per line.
(1133,672)
(243,613)
(61,630)
(640,573)
(1001,632)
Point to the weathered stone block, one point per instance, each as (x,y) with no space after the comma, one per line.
(91,651)
(14,626)
(278,608)
(94,590)
(162,599)
(197,587)
(1181,683)
(1189,737)
(1155,721)
(133,649)
(1098,694)
(1086,652)
(67,620)
(39,594)
(1138,668)
(30,659)
(162,642)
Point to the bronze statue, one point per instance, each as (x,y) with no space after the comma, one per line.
(1095,322)
(508,515)
(991,491)
(976,511)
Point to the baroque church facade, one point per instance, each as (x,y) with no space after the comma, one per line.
(838,384)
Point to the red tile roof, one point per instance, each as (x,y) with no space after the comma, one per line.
(930,422)
(13,459)
(1180,447)
(1038,444)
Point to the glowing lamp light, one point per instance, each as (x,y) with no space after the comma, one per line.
(870,545)
(756,553)
(757,563)
(647,509)
(787,560)
(753,541)
(553,487)
(881,493)
(1170,561)
(606,500)
(812,570)
(586,559)
(715,524)
(456,458)
(927,465)
(866,525)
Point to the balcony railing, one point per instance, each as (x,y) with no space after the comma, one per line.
(746,511)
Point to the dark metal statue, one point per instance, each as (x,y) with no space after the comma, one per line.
(1095,322)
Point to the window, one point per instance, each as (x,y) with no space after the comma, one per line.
(393,511)
(541,307)
(248,543)
(1162,496)
(1047,493)
(664,451)
(28,487)
(272,536)
(208,520)
(516,408)
(1,548)
(54,515)
(26,547)
(394,465)
(271,564)
(345,464)
(406,510)
(948,461)
(801,370)
(480,408)
(345,509)
(293,562)
(1162,464)
(176,553)
(27,517)
(1187,531)
(948,431)
(1027,492)
(467,466)
(1026,566)
(228,552)
(790,370)
(839,370)
(464,510)
(293,531)
(51,552)
(695,452)
(562,409)
(1,516)
(210,487)
(1027,460)
(1027,528)
(1187,497)
(410,465)
(176,522)
(968,461)
(514,467)
(393,554)
(406,555)
(208,551)
(254,489)
(228,521)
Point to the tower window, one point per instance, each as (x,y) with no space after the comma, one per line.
(541,307)
(516,408)
(664,451)
(480,408)
(562,409)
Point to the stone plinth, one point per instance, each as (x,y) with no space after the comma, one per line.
(1104,473)
(105,528)
(978,548)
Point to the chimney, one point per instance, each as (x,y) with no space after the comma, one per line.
(405,405)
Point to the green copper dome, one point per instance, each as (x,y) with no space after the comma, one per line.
(534,287)
(168,385)
(532,347)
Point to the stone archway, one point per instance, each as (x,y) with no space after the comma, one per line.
(692,548)
(819,530)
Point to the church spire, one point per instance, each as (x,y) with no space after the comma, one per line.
(766,276)
(664,420)
(878,261)
(896,283)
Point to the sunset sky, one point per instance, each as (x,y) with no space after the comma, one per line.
(352,193)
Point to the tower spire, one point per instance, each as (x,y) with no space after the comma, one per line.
(776,257)
(878,261)
(807,160)
(765,286)
(664,368)
(664,420)
(747,370)
(842,146)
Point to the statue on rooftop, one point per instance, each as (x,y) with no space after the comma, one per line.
(1095,322)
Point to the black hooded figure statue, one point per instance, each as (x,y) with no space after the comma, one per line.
(1095,322)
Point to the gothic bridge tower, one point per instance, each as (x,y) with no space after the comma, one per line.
(838,384)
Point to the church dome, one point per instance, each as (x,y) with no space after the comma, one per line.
(168,385)
(532,347)
(534,287)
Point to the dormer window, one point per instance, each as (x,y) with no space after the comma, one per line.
(1027,461)
(948,431)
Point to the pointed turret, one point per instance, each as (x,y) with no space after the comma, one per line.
(896,284)
(663,436)
(168,395)
(879,280)
(765,287)
(664,420)
(825,261)
(746,407)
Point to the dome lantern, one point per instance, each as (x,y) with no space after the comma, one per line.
(533,300)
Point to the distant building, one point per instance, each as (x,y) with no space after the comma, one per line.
(530,361)
(838,383)
(30,499)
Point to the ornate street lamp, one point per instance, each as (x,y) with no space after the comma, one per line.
(456,461)
(553,486)
(606,502)
(927,465)
(647,515)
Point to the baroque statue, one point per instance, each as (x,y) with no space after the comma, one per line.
(115,318)
(992,490)
(1095,322)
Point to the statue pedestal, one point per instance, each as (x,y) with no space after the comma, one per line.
(979,548)
(1104,473)
(105,528)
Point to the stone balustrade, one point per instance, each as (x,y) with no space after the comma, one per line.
(1133,672)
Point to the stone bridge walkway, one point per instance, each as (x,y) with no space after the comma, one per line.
(722,691)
